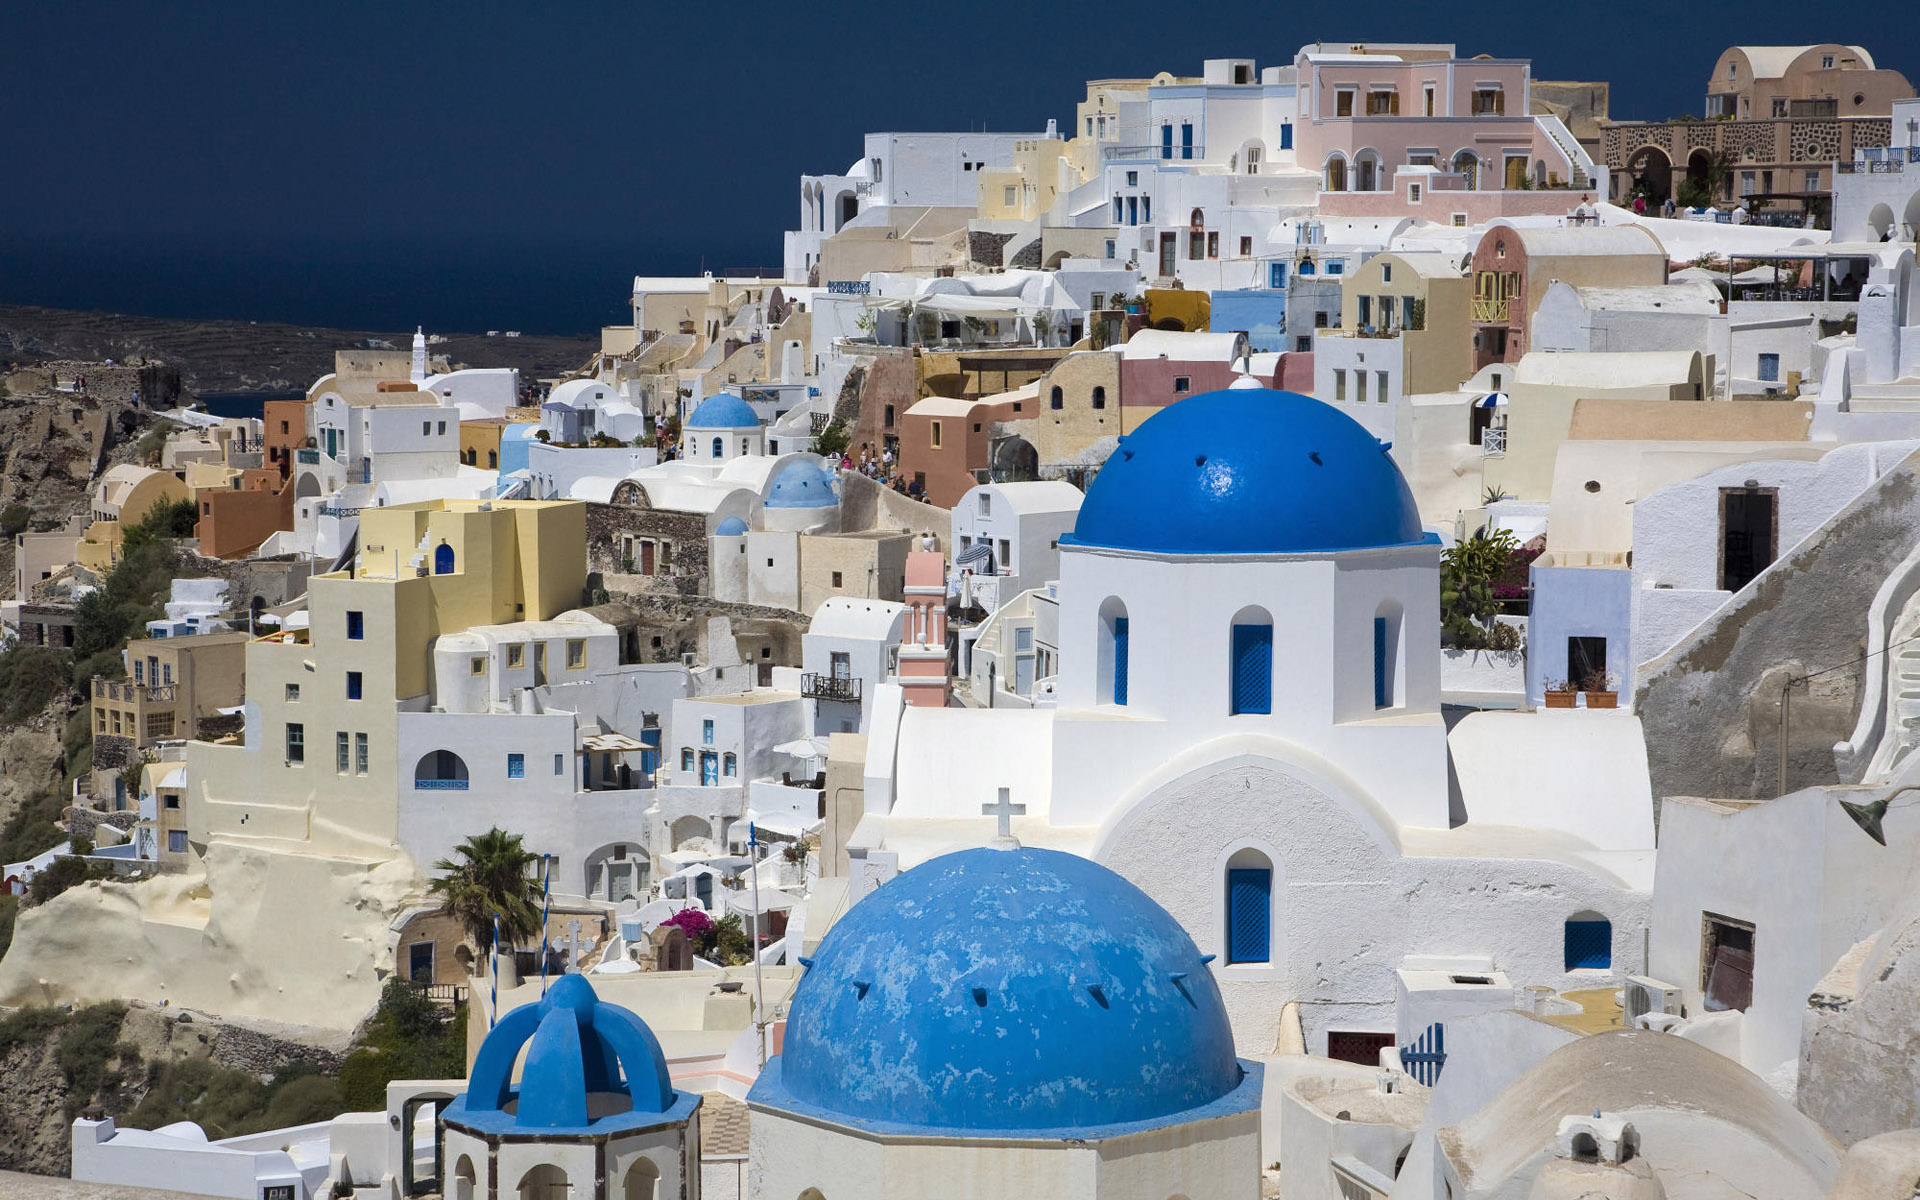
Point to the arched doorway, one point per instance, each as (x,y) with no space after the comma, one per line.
(423,1151)
(1467,164)
(1367,173)
(1014,460)
(1699,188)
(1652,173)
(1336,180)
(642,1181)
(545,1182)
(440,770)
(443,559)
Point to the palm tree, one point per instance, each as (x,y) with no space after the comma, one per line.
(491,879)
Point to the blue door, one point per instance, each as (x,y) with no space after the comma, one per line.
(1186,141)
(1166,141)
(443,559)
(1120,660)
(709,768)
(1249,914)
(1252,669)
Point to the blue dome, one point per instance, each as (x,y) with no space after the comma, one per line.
(724,411)
(576,1047)
(1015,992)
(731,527)
(802,485)
(1248,471)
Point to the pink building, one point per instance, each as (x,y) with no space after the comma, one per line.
(923,649)
(1417,131)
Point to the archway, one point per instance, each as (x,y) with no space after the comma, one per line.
(1110,680)
(545,1182)
(846,208)
(1652,173)
(1911,218)
(443,559)
(1014,460)
(1880,222)
(464,1177)
(1336,174)
(416,1174)
(1467,164)
(686,829)
(642,1181)
(440,770)
(307,487)
(1368,174)
(1698,190)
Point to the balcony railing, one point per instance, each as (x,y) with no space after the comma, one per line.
(1493,441)
(309,457)
(1489,310)
(829,687)
(163,693)
(439,785)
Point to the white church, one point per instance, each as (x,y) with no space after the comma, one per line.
(1249,729)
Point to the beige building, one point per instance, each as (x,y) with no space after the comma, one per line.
(1043,171)
(1420,300)
(1513,266)
(1545,388)
(1077,413)
(38,557)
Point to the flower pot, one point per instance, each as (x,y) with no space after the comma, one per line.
(1603,699)
(1560,699)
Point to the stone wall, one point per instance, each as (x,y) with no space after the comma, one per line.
(84,822)
(1859,1056)
(112,752)
(686,532)
(1711,704)
(987,249)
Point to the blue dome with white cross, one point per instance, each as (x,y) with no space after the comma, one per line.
(591,1067)
(1017,993)
(1248,470)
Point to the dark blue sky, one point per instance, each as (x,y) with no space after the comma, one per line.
(493,165)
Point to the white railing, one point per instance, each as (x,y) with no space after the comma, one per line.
(1493,441)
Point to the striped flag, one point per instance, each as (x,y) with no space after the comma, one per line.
(546,907)
(493,1011)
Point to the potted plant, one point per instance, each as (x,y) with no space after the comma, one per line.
(1560,693)
(1602,689)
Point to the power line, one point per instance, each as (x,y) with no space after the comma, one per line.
(1854,662)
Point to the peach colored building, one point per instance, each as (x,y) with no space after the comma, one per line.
(923,649)
(943,441)
(235,520)
(285,431)
(1512,267)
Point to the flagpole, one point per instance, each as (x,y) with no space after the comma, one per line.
(493,975)
(759,989)
(546,908)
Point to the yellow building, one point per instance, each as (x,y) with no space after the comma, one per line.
(125,494)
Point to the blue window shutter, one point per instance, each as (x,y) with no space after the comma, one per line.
(1589,945)
(1120,660)
(1166,141)
(1286,136)
(1249,914)
(1380,697)
(1253,668)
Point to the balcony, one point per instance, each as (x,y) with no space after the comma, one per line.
(1161,151)
(439,785)
(830,687)
(1489,310)
(1493,441)
(134,693)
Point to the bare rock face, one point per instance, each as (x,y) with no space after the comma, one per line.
(1860,1054)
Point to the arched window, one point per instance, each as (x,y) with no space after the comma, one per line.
(440,770)
(1251,670)
(1099,397)
(443,559)
(730,764)
(493,460)
(1057,399)
(1388,656)
(1589,942)
(1111,686)
(1249,904)
(464,1177)
(545,1182)
(719,447)
(1336,180)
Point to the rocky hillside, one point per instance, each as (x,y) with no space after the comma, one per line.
(245,356)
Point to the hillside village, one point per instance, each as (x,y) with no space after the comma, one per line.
(1329,628)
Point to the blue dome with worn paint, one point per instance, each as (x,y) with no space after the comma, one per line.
(731,527)
(724,411)
(802,484)
(590,1066)
(1248,471)
(1005,991)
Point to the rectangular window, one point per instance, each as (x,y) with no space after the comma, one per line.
(935,427)
(1343,103)
(1246,247)
(1769,368)
(1252,669)
(442,427)
(1213,245)
(1382,697)
(477,665)
(559,764)
(1006,196)
(516,766)
(706,732)
(1249,914)
(359,754)
(1428,98)
(686,758)
(296,743)
(426,428)
(353,685)
(177,841)
(516,655)
(1383,104)
(576,653)
(356,626)
(1360,386)
(1120,638)
(1339,384)
(293,693)
(1365,312)
(1380,386)
(341,752)
(1182,384)
(836,579)
(1726,963)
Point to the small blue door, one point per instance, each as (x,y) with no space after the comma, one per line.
(1186,141)
(1166,141)
(1252,669)
(709,768)
(1120,660)
(1249,914)
(443,559)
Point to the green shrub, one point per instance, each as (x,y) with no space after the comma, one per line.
(29,1026)
(221,1100)
(311,1098)
(92,1057)
(14,519)
(31,829)
(409,1037)
(77,744)
(9,910)
(65,872)
(30,678)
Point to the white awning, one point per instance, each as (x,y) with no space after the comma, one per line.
(785,824)
(803,748)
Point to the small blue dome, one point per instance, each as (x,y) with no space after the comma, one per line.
(1248,471)
(577,1047)
(724,411)
(731,527)
(1005,991)
(802,485)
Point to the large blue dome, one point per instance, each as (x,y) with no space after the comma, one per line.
(724,411)
(1248,471)
(1020,992)
(802,484)
(589,1067)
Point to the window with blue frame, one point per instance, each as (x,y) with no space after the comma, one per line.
(1252,666)
(516,766)
(1133,210)
(353,685)
(1120,638)
(1337,267)
(1769,368)
(1249,908)
(1589,943)
(1186,140)
(686,758)
(1277,275)
(356,626)
(1166,141)
(731,765)
(706,733)
(719,447)
(1286,136)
